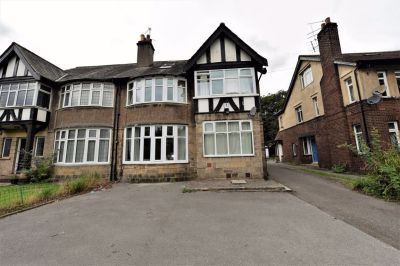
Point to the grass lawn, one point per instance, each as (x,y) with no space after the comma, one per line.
(14,195)
(347,180)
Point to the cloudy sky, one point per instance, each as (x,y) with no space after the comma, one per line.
(80,33)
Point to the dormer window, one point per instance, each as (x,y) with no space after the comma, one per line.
(307,77)
(236,81)
(158,89)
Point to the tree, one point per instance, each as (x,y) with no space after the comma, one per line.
(270,105)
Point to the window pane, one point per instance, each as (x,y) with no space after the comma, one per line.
(71,134)
(233,126)
(43,99)
(75,98)
(246,126)
(181,148)
(136,148)
(3,99)
(181,131)
(11,98)
(247,143)
(66,99)
(86,86)
(70,151)
(181,91)
(6,147)
(203,84)
(39,146)
(21,98)
(92,133)
(103,150)
(147,131)
(81,133)
(170,131)
(90,150)
(95,97)
(216,74)
(29,97)
(148,90)
(137,132)
(222,147)
(234,143)
(146,149)
(104,133)
(85,97)
(170,149)
(159,90)
(139,92)
(158,131)
(208,127)
(61,152)
(107,98)
(209,144)
(129,133)
(231,86)
(128,149)
(217,86)
(245,72)
(170,91)
(158,150)
(231,73)
(80,147)
(246,85)
(220,127)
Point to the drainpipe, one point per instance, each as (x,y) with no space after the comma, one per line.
(114,150)
(362,109)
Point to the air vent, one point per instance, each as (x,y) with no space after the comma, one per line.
(166,66)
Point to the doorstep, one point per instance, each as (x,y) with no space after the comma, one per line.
(226,185)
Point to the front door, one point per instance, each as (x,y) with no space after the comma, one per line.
(20,154)
(314,151)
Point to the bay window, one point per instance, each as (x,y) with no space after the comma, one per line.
(225,82)
(155,144)
(158,89)
(80,146)
(87,94)
(25,94)
(228,138)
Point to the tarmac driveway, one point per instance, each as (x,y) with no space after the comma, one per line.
(157,224)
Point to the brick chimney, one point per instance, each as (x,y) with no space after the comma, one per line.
(329,43)
(145,52)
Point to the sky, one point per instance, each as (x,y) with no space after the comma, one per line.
(87,32)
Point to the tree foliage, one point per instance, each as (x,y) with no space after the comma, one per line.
(270,105)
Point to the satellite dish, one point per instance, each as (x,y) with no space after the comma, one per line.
(375,98)
(253,112)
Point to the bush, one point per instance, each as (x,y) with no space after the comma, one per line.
(383,168)
(42,169)
(339,168)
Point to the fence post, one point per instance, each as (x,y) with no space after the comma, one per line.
(20,193)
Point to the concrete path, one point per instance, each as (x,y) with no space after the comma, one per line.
(157,224)
(376,217)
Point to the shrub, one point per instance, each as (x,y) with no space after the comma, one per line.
(383,168)
(41,169)
(339,168)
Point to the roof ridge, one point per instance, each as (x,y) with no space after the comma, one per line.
(124,64)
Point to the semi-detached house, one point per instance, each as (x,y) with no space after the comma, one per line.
(145,121)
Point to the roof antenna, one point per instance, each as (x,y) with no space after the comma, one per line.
(313,35)
(148,31)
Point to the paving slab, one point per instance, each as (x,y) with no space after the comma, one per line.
(222,184)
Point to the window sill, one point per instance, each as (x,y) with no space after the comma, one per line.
(84,107)
(155,103)
(80,164)
(5,158)
(228,156)
(154,163)
(226,95)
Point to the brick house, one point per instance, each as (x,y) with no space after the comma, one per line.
(145,121)
(336,98)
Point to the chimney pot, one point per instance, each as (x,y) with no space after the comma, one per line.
(322,25)
(327,20)
(141,37)
(148,37)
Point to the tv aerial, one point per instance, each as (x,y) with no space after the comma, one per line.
(253,112)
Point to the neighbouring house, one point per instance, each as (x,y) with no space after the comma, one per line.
(145,121)
(336,98)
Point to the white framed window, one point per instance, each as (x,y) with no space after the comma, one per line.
(25,94)
(82,146)
(39,146)
(397,75)
(394,134)
(307,146)
(358,134)
(315,104)
(87,94)
(228,138)
(299,114)
(350,90)
(294,149)
(219,82)
(383,83)
(307,77)
(6,149)
(157,89)
(156,144)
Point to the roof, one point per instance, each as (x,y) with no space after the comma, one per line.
(354,59)
(38,66)
(108,72)
(224,30)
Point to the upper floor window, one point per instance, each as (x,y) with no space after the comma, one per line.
(25,94)
(299,114)
(315,104)
(383,83)
(307,77)
(158,89)
(350,90)
(156,144)
(87,94)
(394,134)
(397,74)
(79,146)
(225,82)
